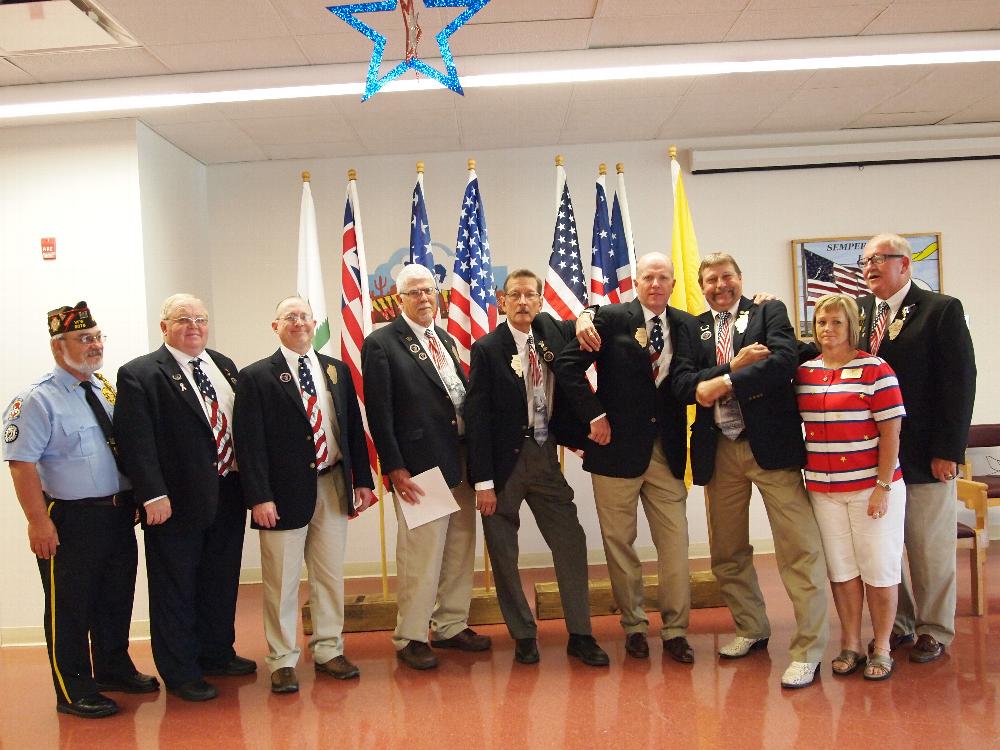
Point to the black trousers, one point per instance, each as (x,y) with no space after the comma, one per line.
(193,580)
(89,586)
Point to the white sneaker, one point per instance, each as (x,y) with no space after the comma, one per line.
(800,674)
(740,647)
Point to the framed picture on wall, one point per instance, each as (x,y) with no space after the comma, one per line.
(828,265)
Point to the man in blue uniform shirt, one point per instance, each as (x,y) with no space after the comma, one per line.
(58,445)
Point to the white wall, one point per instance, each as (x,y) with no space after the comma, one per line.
(78,183)
(253,210)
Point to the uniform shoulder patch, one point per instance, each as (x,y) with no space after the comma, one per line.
(10,433)
(14,411)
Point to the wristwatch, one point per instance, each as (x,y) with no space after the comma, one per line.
(884,485)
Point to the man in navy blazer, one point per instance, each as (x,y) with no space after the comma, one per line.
(172,423)
(637,450)
(517,414)
(925,338)
(300,442)
(748,433)
(415,397)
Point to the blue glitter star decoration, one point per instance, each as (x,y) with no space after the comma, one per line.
(374,83)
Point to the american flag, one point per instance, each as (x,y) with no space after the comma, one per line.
(472,308)
(355,305)
(565,293)
(823,276)
(603,265)
(420,230)
(621,247)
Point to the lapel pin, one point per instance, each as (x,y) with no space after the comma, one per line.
(285,377)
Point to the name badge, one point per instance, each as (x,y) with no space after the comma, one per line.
(850,373)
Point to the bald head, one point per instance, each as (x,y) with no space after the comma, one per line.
(654,281)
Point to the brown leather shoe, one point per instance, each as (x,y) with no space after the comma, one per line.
(417,655)
(467,640)
(339,668)
(636,646)
(896,640)
(926,649)
(679,650)
(284,680)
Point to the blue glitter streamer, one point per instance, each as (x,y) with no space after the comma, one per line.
(373,83)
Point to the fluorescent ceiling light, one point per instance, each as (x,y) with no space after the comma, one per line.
(520,78)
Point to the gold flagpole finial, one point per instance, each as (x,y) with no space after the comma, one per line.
(673,152)
(420,167)
(602,168)
(560,162)
(352,174)
(620,168)
(472,164)
(305,177)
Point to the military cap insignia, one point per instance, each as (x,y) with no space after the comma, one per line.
(10,433)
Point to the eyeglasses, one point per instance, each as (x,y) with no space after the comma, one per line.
(415,294)
(293,318)
(877,259)
(186,321)
(526,296)
(88,338)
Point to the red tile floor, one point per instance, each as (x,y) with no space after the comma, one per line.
(487,701)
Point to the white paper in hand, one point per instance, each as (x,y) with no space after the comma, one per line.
(436,502)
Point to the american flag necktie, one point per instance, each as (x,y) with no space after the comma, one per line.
(537,383)
(655,346)
(437,353)
(878,331)
(724,342)
(307,388)
(216,418)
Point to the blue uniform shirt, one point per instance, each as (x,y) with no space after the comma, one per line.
(51,425)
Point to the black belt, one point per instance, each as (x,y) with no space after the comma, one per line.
(118,500)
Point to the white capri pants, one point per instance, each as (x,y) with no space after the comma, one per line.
(857,544)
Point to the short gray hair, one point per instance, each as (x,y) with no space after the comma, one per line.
(411,272)
(898,243)
(176,300)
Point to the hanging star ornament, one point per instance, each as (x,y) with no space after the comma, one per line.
(374,83)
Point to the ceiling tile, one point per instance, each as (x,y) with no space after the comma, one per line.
(985,110)
(310,106)
(823,109)
(943,15)
(415,123)
(273,131)
(647,114)
(12,75)
(230,55)
(418,145)
(612,91)
(395,106)
(212,143)
(92,64)
(740,82)
(742,104)
(344,46)
(173,115)
(894,75)
(530,36)
(520,139)
(506,11)
(689,125)
(187,21)
(676,29)
(787,4)
(314,150)
(950,87)
(634,8)
(898,119)
(799,23)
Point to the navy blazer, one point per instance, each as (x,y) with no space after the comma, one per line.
(411,416)
(274,439)
(934,360)
(638,411)
(496,406)
(764,390)
(165,440)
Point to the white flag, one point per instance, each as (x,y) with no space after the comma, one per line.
(310,280)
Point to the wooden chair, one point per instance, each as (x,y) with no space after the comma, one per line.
(986,436)
(973,495)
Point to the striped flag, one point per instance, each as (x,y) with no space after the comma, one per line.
(309,284)
(823,276)
(355,304)
(472,308)
(565,292)
(420,229)
(622,242)
(603,265)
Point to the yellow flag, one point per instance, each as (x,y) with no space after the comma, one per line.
(687,294)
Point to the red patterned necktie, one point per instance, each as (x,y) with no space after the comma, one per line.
(307,388)
(724,342)
(437,353)
(878,331)
(216,418)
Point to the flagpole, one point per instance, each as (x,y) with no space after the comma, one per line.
(626,219)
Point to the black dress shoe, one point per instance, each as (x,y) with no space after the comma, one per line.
(94,706)
(235,667)
(927,649)
(585,648)
(636,646)
(417,655)
(679,650)
(526,651)
(195,691)
(467,640)
(136,682)
(284,680)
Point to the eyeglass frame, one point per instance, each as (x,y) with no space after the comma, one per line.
(877,259)
(185,320)
(293,318)
(87,339)
(414,294)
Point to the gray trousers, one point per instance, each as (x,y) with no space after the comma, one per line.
(537,479)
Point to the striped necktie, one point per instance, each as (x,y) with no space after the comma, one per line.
(878,330)
(307,388)
(216,418)
(724,342)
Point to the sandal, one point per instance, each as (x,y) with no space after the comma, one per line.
(879,667)
(852,661)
